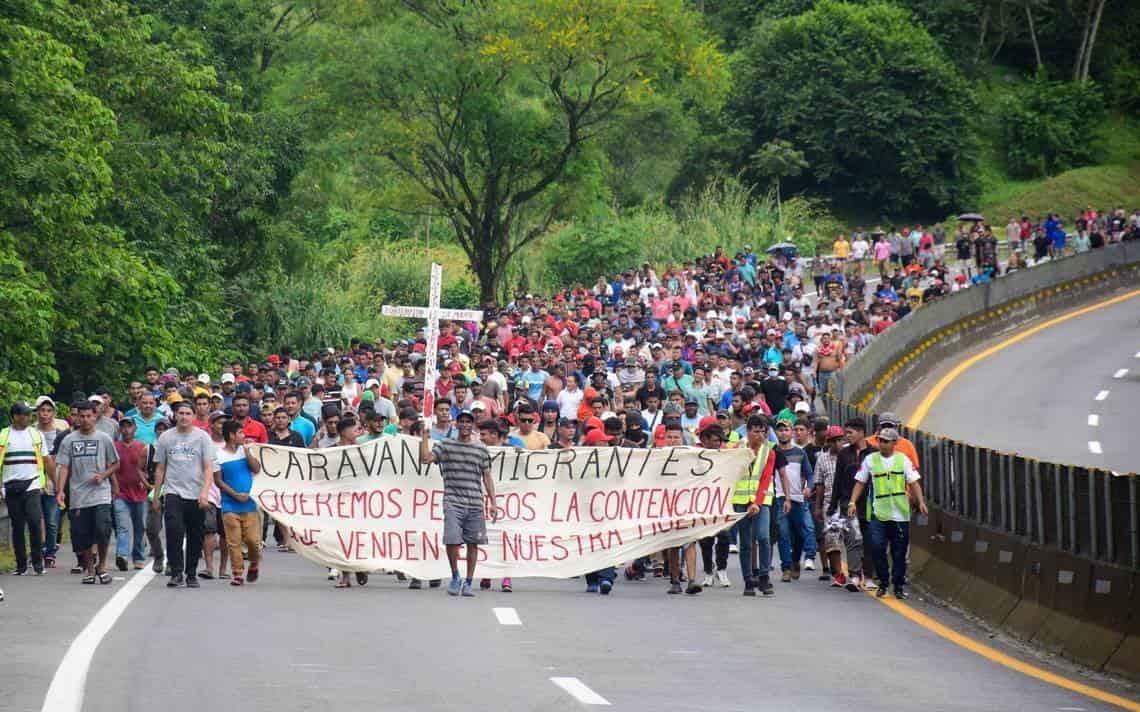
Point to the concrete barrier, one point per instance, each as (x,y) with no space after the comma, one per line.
(1031,567)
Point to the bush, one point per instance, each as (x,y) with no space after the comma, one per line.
(880,112)
(1047,127)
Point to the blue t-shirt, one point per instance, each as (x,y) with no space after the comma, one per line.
(144,431)
(534,381)
(235,473)
(303,427)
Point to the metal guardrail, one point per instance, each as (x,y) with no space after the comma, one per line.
(1089,513)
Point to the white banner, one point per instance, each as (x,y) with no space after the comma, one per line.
(565,512)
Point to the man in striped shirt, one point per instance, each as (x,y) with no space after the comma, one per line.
(465,466)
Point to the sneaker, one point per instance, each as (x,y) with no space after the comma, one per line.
(192,582)
(158,565)
(786,577)
(901,594)
(361,578)
(733,549)
(707,581)
(674,587)
(591,588)
(795,573)
(693,589)
(466,591)
(722,579)
(416,585)
(453,588)
(121,563)
(253,574)
(605,587)
(167,571)
(1,594)
(77,569)
(20,572)
(749,587)
(852,584)
(882,590)
(868,584)
(765,586)
(39,570)
(333,573)
(237,581)
(49,562)
(175,581)
(507,587)
(484,584)
(839,581)
(658,569)
(435,583)
(809,564)
(400,577)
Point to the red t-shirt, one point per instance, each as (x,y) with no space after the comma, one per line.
(132,488)
(254,432)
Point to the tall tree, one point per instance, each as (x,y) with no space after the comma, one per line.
(489,127)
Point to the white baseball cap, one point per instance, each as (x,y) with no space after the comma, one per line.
(228,378)
(204,379)
(371,382)
(44,399)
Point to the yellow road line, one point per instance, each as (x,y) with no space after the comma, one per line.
(1002,659)
(915,421)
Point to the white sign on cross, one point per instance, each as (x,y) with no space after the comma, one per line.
(433,314)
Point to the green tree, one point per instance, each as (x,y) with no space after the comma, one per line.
(492,128)
(882,116)
(778,159)
(1047,126)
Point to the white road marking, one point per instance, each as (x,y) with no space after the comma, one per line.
(1102,395)
(1094,447)
(1138,354)
(507,616)
(66,691)
(579,691)
(1121,373)
(1094,420)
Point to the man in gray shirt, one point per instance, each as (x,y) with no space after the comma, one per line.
(184,460)
(88,466)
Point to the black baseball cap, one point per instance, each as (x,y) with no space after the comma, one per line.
(19,408)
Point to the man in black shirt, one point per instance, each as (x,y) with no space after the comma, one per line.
(846,465)
(651,387)
(280,434)
(775,389)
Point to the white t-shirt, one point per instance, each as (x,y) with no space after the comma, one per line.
(21,453)
(911,474)
(568,402)
(859,249)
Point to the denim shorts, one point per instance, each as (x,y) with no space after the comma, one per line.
(463,525)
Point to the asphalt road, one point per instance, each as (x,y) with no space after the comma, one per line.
(292,642)
(1036,397)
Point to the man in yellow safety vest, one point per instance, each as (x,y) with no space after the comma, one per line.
(22,467)
(753,495)
(893,483)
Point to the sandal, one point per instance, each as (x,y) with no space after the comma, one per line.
(88,579)
(223,577)
(252,574)
(341,583)
(104,577)
(206,575)
(236,581)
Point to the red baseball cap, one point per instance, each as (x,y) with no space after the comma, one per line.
(707,422)
(596,436)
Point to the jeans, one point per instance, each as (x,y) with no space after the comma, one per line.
(242,527)
(721,540)
(793,534)
(154,532)
(596,577)
(749,530)
(26,512)
(129,522)
(185,524)
(811,544)
(897,535)
(51,524)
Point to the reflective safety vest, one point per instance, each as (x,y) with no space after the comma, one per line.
(37,447)
(746,486)
(888,478)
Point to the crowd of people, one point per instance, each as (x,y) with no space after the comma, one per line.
(720,351)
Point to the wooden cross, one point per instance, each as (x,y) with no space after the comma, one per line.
(433,314)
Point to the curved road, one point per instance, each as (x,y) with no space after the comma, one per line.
(1069,393)
(292,642)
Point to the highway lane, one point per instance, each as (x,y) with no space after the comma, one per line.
(1069,393)
(292,642)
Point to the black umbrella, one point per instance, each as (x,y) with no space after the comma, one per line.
(780,247)
(971,217)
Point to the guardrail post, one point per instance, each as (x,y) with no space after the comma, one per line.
(1040,520)
(1074,540)
(1094,548)
(978,516)
(1057,511)
(1002,518)
(1133,513)
(1110,540)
